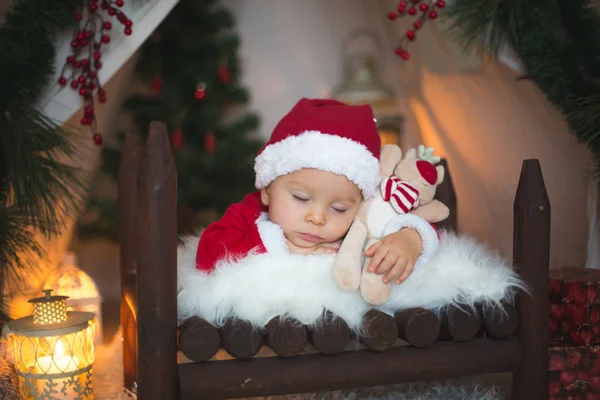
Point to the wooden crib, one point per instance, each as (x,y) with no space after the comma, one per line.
(148,218)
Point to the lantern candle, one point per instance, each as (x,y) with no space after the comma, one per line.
(53,350)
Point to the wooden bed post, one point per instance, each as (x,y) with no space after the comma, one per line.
(531,253)
(127,202)
(446,194)
(157,268)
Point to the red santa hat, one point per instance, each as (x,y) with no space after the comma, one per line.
(327,135)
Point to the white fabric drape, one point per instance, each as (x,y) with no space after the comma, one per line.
(473,111)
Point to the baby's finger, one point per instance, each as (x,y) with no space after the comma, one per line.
(372,249)
(395,271)
(410,266)
(387,263)
(377,258)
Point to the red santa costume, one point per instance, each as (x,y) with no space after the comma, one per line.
(320,134)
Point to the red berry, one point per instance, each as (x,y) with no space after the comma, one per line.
(70,59)
(93,7)
(432,15)
(98,64)
(423,7)
(62,81)
(128,31)
(107,25)
(101,98)
(79,36)
(97,55)
(74,84)
(111,11)
(104,5)
(129,23)
(119,3)
(105,39)
(87,34)
(78,16)
(410,35)
(98,139)
(92,74)
(81,79)
(412,11)
(417,24)
(392,15)
(83,91)
(74,44)
(89,110)
(441,4)
(91,86)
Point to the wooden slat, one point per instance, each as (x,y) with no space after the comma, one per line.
(531,252)
(317,372)
(446,194)
(128,237)
(157,268)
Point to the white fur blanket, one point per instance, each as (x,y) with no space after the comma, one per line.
(260,287)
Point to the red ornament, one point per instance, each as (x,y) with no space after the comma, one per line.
(156,85)
(223,73)
(210,143)
(200,91)
(97,139)
(177,139)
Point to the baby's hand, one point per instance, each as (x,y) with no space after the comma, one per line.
(395,255)
(324,248)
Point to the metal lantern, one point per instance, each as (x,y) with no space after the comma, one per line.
(53,350)
(361,85)
(72,281)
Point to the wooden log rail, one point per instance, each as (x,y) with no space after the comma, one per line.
(199,341)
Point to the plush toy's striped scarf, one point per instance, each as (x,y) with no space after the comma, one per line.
(401,195)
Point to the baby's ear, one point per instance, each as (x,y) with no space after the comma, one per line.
(264,197)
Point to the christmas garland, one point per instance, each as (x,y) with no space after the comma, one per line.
(558,41)
(38,190)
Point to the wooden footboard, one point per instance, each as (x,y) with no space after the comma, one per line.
(148,229)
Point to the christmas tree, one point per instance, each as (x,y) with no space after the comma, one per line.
(190,70)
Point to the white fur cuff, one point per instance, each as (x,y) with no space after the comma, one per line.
(271,235)
(429,237)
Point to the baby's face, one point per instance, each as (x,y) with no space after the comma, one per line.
(312,206)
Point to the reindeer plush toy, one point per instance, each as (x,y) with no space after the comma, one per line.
(408,187)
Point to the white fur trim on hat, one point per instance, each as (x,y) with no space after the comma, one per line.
(322,151)
(429,236)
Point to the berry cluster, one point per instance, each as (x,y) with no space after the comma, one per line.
(82,66)
(421,11)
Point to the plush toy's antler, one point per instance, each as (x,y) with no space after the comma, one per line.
(426,154)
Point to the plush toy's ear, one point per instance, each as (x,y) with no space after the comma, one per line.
(411,154)
(440,171)
(390,156)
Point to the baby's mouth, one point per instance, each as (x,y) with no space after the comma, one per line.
(310,237)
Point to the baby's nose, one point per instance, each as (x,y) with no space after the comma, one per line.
(316,217)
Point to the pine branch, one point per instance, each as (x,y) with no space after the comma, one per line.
(559,44)
(39,190)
